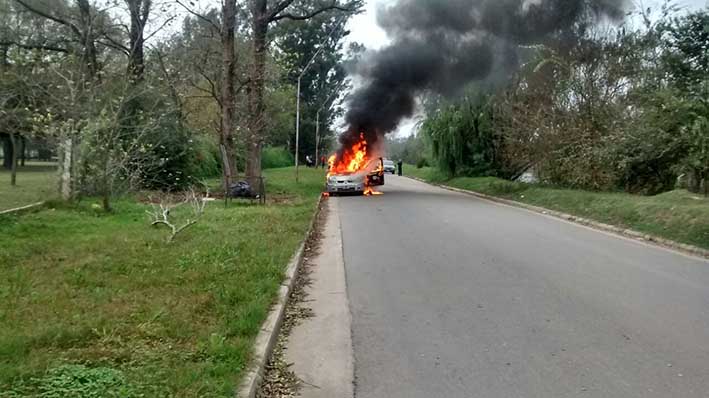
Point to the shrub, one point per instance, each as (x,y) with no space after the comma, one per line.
(276,157)
(77,381)
(421,163)
(207,161)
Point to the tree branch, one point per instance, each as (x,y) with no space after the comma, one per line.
(198,15)
(161,215)
(160,28)
(46,47)
(147,5)
(277,16)
(56,19)
(279,8)
(114,44)
(213,87)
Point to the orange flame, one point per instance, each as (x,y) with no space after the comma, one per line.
(353,159)
(371,192)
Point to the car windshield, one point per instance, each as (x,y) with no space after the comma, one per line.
(389,162)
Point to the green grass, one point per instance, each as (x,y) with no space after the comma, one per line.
(36,182)
(678,215)
(101,300)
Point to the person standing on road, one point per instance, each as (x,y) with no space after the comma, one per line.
(400,163)
(323,161)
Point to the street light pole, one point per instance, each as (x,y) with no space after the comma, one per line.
(297,107)
(317,137)
(297,111)
(297,128)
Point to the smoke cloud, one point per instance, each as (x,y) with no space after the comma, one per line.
(441,45)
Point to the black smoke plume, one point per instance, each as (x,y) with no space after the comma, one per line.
(441,45)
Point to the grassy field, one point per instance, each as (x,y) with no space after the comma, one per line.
(36,182)
(678,215)
(98,305)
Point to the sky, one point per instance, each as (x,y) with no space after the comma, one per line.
(365,30)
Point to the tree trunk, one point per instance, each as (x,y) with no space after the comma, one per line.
(694,181)
(3,56)
(23,150)
(256,101)
(139,13)
(7,152)
(228,95)
(90,53)
(13,159)
(66,163)
(106,190)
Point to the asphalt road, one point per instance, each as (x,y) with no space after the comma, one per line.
(452,296)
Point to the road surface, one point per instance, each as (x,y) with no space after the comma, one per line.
(452,296)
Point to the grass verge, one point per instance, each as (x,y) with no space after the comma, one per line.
(95,304)
(36,182)
(677,215)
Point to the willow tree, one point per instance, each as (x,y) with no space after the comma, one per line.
(462,138)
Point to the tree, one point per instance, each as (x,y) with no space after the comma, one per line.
(224,92)
(462,138)
(228,98)
(139,11)
(263,15)
(85,27)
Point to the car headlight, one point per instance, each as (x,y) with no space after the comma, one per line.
(332,180)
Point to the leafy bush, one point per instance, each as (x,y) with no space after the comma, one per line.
(173,153)
(276,157)
(77,381)
(421,163)
(206,162)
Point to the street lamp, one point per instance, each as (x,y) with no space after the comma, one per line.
(297,110)
(297,107)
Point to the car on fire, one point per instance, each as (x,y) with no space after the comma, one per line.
(356,182)
(389,166)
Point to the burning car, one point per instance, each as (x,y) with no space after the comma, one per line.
(346,183)
(354,170)
(356,182)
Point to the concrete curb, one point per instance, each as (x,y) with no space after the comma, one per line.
(268,336)
(628,233)
(21,209)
